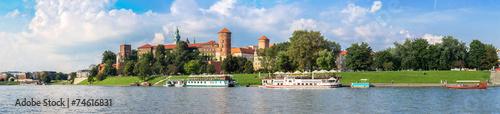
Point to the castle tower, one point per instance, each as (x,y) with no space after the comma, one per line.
(125,50)
(224,44)
(263,42)
(177,36)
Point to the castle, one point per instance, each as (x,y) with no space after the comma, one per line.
(217,51)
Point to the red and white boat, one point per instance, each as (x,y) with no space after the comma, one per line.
(470,85)
(303,81)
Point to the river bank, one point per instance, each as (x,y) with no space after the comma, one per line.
(382,79)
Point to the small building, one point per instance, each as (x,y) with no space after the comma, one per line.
(82,73)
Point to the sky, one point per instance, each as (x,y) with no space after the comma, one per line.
(70,35)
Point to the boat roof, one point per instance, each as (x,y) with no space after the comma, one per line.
(470,81)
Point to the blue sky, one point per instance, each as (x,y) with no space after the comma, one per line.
(70,35)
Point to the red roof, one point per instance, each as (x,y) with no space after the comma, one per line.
(145,46)
(224,31)
(263,38)
(343,52)
(242,50)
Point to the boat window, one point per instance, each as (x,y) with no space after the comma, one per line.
(307,83)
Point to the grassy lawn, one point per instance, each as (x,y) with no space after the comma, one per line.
(414,76)
(245,79)
(11,83)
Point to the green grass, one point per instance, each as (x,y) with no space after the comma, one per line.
(245,79)
(11,83)
(414,76)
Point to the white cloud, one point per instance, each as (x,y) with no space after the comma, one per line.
(353,13)
(159,39)
(12,14)
(376,6)
(222,7)
(433,39)
(302,24)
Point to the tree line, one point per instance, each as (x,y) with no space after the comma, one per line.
(417,53)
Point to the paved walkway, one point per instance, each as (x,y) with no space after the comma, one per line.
(495,77)
(162,80)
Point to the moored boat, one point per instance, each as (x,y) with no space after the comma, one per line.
(469,85)
(174,83)
(364,83)
(210,81)
(304,81)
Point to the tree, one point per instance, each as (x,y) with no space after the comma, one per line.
(211,68)
(249,67)
(383,59)
(326,60)
(476,53)
(172,69)
(490,59)
(100,76)
(434,54)
(72,77)
(202,69)
(283,63)
(192,67)
(182,55)
(304,48)
(159,65)
(229,65)
(358,57)
(58,77)
(108,55)
(45,78)
(93,73)
(452,50)
(240,68)
(460,64)
(144,70)
(108,70)
(128,69)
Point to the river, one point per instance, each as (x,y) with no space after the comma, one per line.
(254,100)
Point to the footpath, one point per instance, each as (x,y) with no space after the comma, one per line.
(162,80)
(495,78)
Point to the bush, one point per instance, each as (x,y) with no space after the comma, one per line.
(1,79)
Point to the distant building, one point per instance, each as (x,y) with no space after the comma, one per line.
(82,73)
(224,44)
(245,52)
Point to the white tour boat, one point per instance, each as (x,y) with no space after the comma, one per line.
(303,81)
(210,81)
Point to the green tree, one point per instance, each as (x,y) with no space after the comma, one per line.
(358,57)
(476,53)
(249,67)
(183,54)
(108,55)
(452,51)
(230,64)
(490,59)
(128,69)
(159,66)
(172,69)
(434,54)
(304,48)
(143,67)
(192,67)
(72,77)
(108,70)
(283,63)
(58,77)
(93,73)
(241,64)
(203,69)
(132,58)
(326,60)
(45,78)
(383,59)
(210,68)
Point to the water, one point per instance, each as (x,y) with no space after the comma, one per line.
(256,100)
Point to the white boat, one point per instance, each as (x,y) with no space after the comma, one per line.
(210,81)
(304,81)
(174,83)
